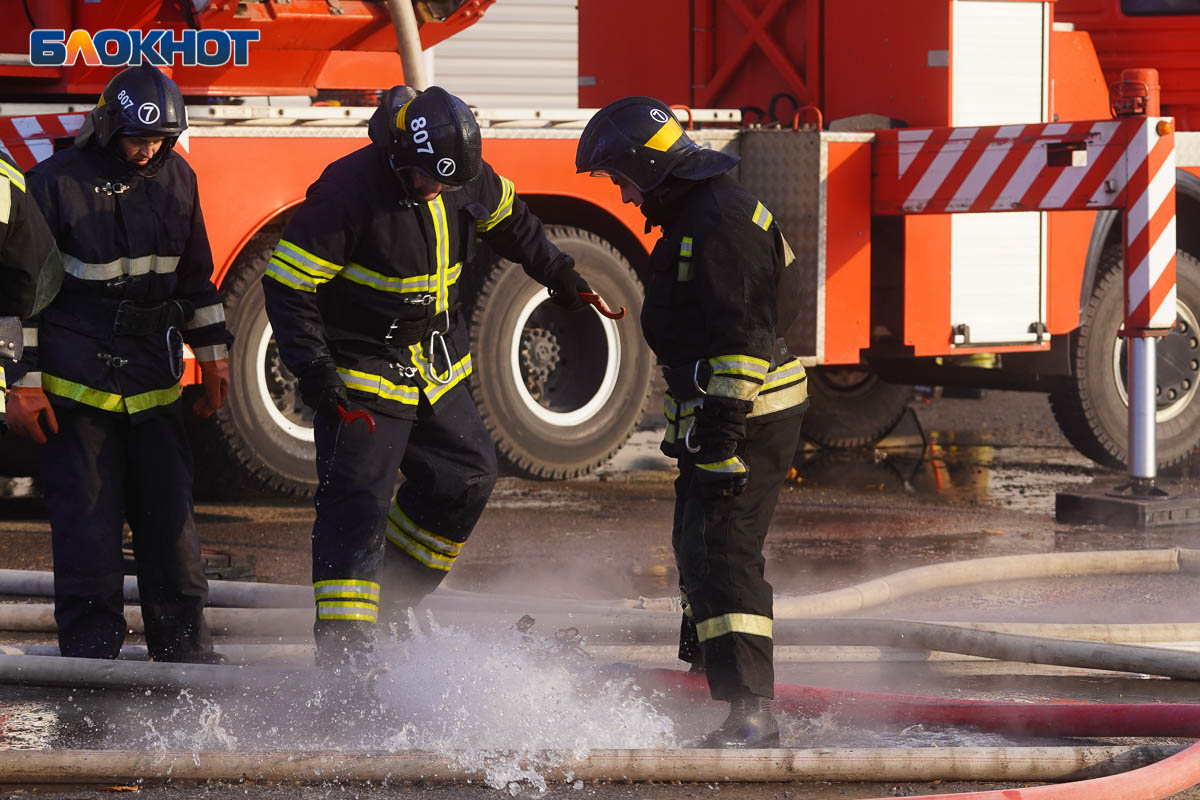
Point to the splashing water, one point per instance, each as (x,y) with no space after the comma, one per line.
(508,705)
(191,726)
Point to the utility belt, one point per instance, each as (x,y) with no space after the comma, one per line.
(690,381)
(143,319)
(99,317)
(160,322)
(401,333)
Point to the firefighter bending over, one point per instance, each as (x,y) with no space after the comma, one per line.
(720,295)
(363,295)
(30,266)
(101,388)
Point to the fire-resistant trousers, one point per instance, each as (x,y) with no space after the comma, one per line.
(98,472)
(449,464)
(718,543)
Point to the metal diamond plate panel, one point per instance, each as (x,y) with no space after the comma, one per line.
(783,169)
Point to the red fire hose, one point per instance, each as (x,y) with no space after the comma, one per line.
(1163,779)
(1154,782)
(1059,718)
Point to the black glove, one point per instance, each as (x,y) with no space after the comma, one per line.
(566,285)
(723,478)
(322,390)
(720,425)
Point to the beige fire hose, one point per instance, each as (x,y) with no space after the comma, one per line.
(686,765)
(824,604)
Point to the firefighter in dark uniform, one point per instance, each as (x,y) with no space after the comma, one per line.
(101,390)
(362,292)
(30,266)
(719,297)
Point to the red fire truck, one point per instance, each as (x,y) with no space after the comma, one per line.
(1026,300)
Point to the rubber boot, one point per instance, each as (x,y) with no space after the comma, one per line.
(343,646)
(750,725)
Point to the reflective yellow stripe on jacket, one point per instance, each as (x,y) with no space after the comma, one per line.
(294,266)
(13,174)
(441,230)
(5,199)
(435,389)
(784,387)
(737,376)
(762,217)
(378,385)
(502,211)
(142,265)
(680,418)
(107,401)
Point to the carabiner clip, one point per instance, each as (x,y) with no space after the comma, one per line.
(687,438)
(441,339)
(594,299)
(174,352)
(696,379)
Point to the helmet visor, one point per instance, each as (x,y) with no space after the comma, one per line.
(446,187)
(408,173)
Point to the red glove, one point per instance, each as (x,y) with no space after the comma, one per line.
(214,377)
(29,413)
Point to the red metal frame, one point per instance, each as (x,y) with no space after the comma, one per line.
(707,90)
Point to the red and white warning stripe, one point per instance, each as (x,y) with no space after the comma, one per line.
(1123,163)
(1150,230)
(28,140)
(1003,167)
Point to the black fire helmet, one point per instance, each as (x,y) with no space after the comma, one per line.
(138,101)
(436,134)
(639,139)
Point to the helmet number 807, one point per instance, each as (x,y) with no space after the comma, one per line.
(421,135)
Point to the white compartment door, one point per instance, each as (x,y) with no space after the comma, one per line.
(999,73)
(523,54)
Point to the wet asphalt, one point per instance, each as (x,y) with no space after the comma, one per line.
(959,479)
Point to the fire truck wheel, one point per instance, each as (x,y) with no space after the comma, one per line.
(1091,407)
(265,439)
(851,407)
(560,391)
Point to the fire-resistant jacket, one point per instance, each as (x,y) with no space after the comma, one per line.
(366,282)
(30,265)
(717,302)
(134,246)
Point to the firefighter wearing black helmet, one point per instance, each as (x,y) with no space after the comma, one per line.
(363,295)
(718,299)
(101,380)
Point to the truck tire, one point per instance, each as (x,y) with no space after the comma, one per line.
(560,391)
(266,432)
(851,407)
(1091,407)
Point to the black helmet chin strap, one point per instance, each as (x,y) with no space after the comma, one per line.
(408,192)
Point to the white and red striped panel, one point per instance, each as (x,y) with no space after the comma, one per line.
(28,140)
(1150,230)
(1122,163)
(1003,167)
